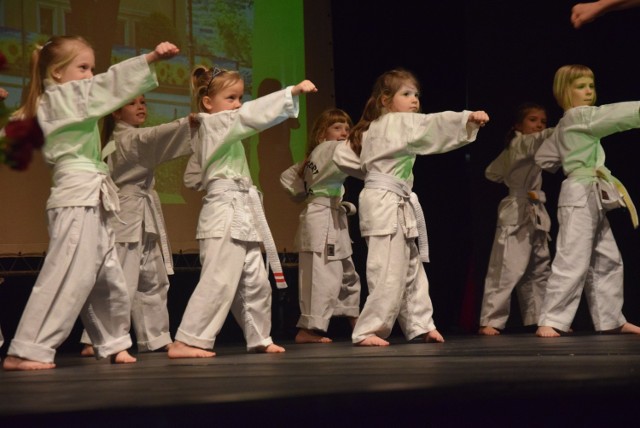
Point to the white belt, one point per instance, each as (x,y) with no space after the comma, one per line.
(325,201)
(108,189)
(536,199)
(603,173)
(376,180)
(155,206)
(532,195)
(336,208)
(109,195)
(245,186)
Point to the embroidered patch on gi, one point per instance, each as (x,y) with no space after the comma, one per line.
(331,250)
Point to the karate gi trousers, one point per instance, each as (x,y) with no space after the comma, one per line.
(233,277)
(327,287)
(398,289)
(148,286)
(519,259)
(587,258)
(81,275)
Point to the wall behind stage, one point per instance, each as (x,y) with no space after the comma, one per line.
(271,43)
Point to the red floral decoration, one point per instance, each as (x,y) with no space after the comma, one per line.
(21,137)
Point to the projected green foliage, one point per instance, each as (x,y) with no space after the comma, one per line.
(154,29)
(235,29)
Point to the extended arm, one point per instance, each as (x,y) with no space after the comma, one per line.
(348,161)
(583,13)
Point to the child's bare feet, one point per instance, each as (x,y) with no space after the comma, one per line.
(123,357)
(270,349)
(488,331)
(626,328)
(546,331)
(308,336)
(433,336)
(182,350)
(630,328)
(87,351)
(373,341)
(12,363)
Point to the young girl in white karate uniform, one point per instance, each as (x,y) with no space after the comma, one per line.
(133,153)
(587,256)
(232,223)
(328,283)
(81,273)
(520,253)
(388,137)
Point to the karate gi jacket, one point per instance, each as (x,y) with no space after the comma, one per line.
(323,221)
(69,114)
(220,154)
(516,168)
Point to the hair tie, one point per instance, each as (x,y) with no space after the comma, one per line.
(40,48)
(214,72)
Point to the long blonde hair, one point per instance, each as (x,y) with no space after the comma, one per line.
(55,54)
(208,81)
(563,79)
(384,89)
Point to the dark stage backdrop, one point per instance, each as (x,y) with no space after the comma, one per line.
(487,55)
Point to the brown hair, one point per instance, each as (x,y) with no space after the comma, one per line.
(384,89)
(322,123)
(55,54)
(109,122)
(320,126)
(521,113)
(108,126)
(208,81)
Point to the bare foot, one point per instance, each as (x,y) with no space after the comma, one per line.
(630,328)
(123,357)
(308,336)
(433,336)
(87,351)
(182,350)
(12,363)
(373,341)
(626,328)
(270,349)
(545,331)
(488,331)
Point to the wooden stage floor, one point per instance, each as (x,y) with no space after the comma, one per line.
(511,380)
